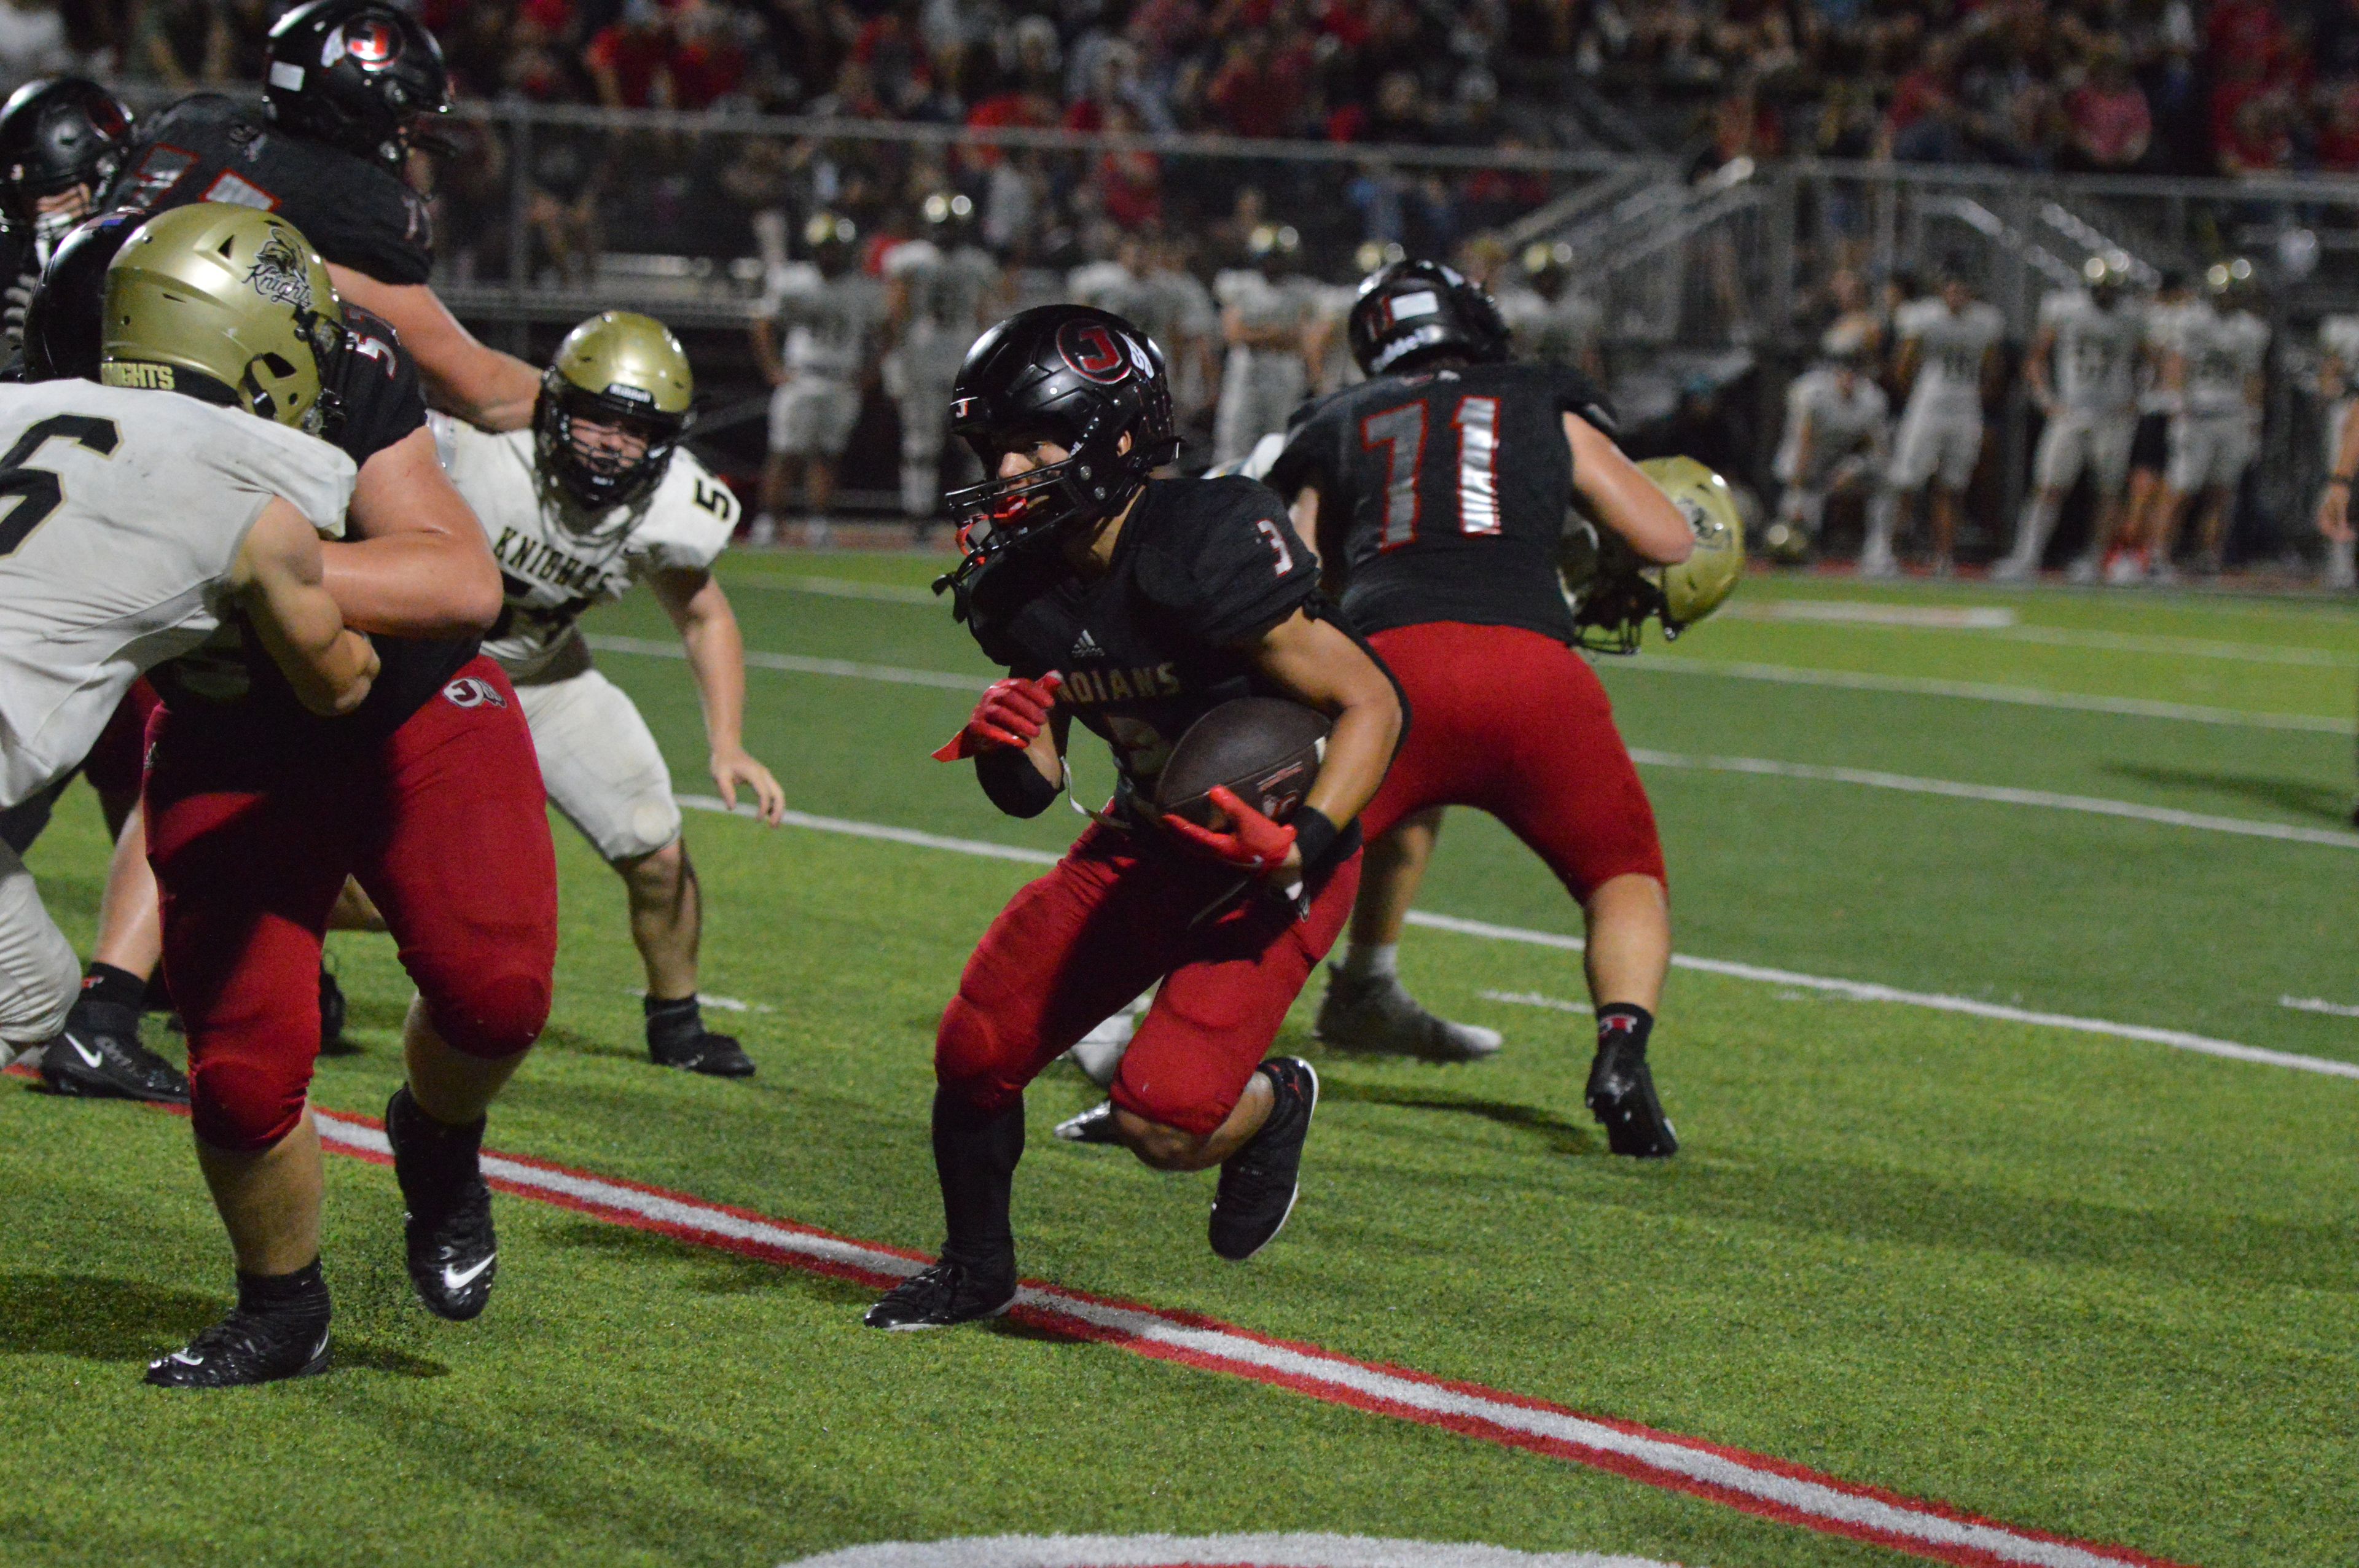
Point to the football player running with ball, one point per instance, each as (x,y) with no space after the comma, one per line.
(1136,606)
(1437,491)
(598,496)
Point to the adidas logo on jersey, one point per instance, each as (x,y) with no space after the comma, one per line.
(1086,646)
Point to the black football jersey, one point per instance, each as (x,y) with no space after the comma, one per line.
(211,149)
(383,404)
(1203,567)
(1442,494)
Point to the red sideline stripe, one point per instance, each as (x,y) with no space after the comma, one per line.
(1080,1316)
(1755,1484)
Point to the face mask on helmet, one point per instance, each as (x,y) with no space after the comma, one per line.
(601,452)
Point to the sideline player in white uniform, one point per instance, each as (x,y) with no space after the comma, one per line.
(1553,323)
(596,498)
(2083,372)
(940,291)
(831,313)
(1836,420)
(2214,360)
(2338,375)
(144,519)
(1269,312)
(1948,352)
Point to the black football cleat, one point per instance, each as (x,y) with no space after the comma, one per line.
(1094,1125)
(944,1296)
(1621,1097)
(1260,1181)
(714,1055)
(246,1347)
(334,1014)
(452,1252)
(99,1056)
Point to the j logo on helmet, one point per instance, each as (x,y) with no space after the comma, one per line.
(1091,348)
(371,42)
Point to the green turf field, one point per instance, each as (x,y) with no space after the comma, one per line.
(2075,1281)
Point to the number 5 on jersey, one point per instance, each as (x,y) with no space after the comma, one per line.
(1400,433)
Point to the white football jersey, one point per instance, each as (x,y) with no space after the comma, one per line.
(1555,332)
(558,558)
(1291,302)
(952,289)
(130,508)
(1839,425)
(2339,335)
(2223,349)
(2161,331)
(831,323)
(2095,369)
(1952,348)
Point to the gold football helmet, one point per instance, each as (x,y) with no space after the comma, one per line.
(621,373)
(1613,592)
(226,304)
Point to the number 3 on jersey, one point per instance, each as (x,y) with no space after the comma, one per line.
(1401,432)
(35,493)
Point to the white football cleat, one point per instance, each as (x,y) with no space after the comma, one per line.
(1376,1017)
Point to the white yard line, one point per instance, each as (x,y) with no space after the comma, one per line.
(1288,1550)
(1855,991)
(2318,1004)
(797,663)
(2002,795)
(1751,1483)
(835,587)
(2000,622)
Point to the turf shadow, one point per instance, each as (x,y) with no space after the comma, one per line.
(2301,797)
(1561,1135)
(717,1272)
(94,1318)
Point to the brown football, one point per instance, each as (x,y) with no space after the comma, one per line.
(1265,749)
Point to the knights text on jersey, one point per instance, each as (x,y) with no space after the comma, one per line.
(557,558)
(134,505)
(1203,567)
(1442,495)
(211,148)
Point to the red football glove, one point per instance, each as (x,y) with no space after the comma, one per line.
(1253,842)
(1007,718)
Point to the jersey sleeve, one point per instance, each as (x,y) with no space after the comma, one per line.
(1238,572)
(690,522)
(271,461)
(1310,456)
(1908,322)
(378,382)
(368,221)
(1576,393)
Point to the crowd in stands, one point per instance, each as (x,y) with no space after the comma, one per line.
(2171,86)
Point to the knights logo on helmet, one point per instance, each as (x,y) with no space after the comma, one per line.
(1614,593)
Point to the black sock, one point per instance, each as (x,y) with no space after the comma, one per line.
(110,987)
(440,1159)
(673,1022)
(299,1297)
(974,1157)
(1624,1023)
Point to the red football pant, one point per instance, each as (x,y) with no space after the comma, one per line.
(442,823)
(1517,724)
(1071,950)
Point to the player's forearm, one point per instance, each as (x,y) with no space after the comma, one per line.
(2346,444)
(1359,752)
(716,657)
(462,374)
(329,666)
(414,585)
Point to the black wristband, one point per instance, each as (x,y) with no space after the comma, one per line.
(1012,783)
(1314,835)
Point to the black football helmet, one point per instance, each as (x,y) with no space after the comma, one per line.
(1409,311)
(1080,377)
(357,74)
(64,318)
(57,133)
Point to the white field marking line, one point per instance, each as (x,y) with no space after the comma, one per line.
(1534,999)
(2002,623)
(1856,990)
(1290,1551)
(796,664)
(1913,686)
(837,588)
(1751,1483)
(2004,794)
(1975,691)
(1868,612)
(2318,1004)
